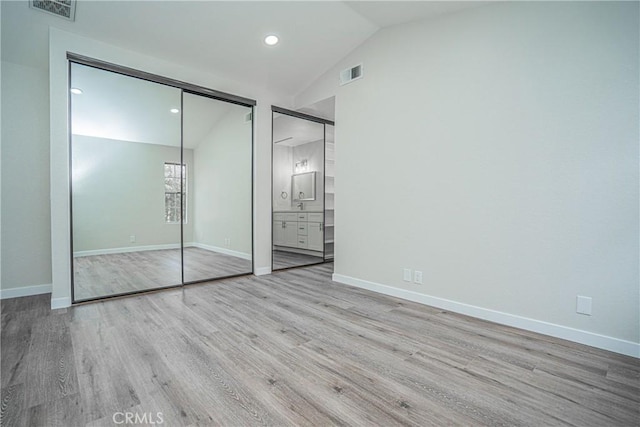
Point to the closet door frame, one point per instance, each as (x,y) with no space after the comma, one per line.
(324,122)
(73,58)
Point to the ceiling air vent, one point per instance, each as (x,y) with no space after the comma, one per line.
(63,8)
(350,74)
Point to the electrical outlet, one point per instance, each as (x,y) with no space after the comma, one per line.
(407,275)
(132,238)
(583,305)
(417,277)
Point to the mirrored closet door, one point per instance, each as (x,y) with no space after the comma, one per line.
(126,183)
(161,185)
(300,202)
(218,227)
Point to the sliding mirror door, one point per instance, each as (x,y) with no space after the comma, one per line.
(298,191)
(126,183)
(217,139)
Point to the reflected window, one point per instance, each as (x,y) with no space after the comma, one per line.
(175,181)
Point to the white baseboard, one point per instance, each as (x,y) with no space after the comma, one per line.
(25,291)
(128,249)
(63,302)
(261,271)
(162,247)
(604,342)
(225,251)
(35,290)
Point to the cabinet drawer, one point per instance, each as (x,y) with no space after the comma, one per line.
(302,242)
(315,217)
(302,216)
(302,229)
(285,216)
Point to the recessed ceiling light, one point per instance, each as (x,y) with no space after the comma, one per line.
(76,91)
(271,40)
(174,110)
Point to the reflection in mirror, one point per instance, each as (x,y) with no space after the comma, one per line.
(126,183)
(329,191)
(217,135)
(303,187)
(298,180)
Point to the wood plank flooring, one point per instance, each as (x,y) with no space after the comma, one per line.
(112,274)
(296,349)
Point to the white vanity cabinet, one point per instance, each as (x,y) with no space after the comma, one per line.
(300,230)
(285,229)
(315,242)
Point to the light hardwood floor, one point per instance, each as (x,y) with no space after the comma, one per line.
(111,274)
(294,348)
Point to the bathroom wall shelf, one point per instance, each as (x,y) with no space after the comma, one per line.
(329,193)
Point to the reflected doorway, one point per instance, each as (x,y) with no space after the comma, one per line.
(302,214)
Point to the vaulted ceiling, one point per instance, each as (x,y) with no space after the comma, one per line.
(222,37)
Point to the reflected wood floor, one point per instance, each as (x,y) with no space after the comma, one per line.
(284,259)
(111,274)
(294,348)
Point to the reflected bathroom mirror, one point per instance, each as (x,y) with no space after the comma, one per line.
(303,187)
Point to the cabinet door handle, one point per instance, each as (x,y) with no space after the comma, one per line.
(284,224)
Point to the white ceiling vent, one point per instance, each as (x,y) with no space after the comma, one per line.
(350,74)
(63,8)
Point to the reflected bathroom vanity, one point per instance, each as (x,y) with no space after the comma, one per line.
(302,231)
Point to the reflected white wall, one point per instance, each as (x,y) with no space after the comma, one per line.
(222,185)
(282,170)
(118,192)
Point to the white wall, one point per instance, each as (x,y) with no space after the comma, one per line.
(496,150)
(26,229)
(222,186)
(118,191)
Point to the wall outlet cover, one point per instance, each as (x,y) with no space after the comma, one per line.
(417,277)
(583,305)
(407,275)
